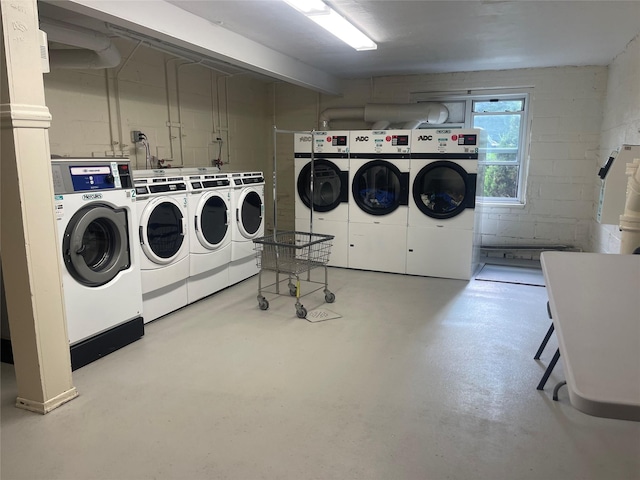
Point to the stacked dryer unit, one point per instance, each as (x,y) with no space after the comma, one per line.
(163,238)
(97,230)
(330,188)
(210,217)
(247,210)
(443,238)
(378,199)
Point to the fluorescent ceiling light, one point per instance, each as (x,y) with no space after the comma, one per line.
(334,23)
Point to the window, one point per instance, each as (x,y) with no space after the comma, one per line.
(504,119)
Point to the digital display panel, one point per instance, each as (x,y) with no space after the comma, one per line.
(339,141)
(467,139)
(400,140)
(91,178)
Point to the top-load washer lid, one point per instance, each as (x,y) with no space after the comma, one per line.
(379,187)
(330,185)
(444,189)
(95,246)
(162,230)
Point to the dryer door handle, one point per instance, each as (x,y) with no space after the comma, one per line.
(140,234)
(184,227)
(226,217)
(237,215)
(195,220)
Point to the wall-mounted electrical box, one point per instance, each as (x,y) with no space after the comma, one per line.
(613,191)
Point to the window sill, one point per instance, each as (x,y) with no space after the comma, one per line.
(514,204)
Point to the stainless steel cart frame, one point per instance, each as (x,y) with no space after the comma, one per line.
(293,253)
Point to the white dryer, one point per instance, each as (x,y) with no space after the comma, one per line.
(209,200)
(443,237)
(330,188)
(247,209)
(95,213)
(163,238)
(378,199)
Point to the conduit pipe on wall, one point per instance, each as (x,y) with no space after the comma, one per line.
(630,220)
(94,49)
(384,114)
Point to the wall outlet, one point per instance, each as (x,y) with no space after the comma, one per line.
(135,136)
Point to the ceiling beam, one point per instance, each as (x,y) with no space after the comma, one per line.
(166,22)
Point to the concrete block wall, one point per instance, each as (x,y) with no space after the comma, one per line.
(621,124)
(182,107)
(565,113)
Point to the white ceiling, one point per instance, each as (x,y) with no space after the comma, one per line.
(437,36)
(420,36)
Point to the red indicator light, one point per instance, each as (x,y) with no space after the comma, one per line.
(329,139)
(454,137)
(388,139)
(125,167)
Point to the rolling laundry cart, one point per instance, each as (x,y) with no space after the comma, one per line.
(292,253)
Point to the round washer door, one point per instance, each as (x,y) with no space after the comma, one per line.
(162,230)
(379,187)
(330,186)
(444,189)
(95,246)
(249,213)
(212,220)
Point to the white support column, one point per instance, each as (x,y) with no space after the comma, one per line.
(30,262)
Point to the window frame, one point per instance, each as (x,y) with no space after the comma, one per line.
(469,97)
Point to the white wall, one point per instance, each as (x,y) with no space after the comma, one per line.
(566,114)
(621,124)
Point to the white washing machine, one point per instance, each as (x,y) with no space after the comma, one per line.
(330,188)
(378,199)
(443,236)
(209,206)
(247,210)
(163,237)
(96,223)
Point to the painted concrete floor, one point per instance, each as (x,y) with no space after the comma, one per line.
(421,378)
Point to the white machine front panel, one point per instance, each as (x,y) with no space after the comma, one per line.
(248,213)
(356,214)
(614,185)
(340,213)
(378,247)
(329,142)
(440,252)
(464,220)
(164,233)
(340,230)
(210,220)
(446,141)
(380,141)
(92,310)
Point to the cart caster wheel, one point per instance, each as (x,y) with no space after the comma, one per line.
(263,304)
(329,297)
(292,291)
(301,312)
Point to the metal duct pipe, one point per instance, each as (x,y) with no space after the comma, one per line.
(411,114)
(96,49)
(630,220)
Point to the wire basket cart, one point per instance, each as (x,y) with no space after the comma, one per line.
(293,253)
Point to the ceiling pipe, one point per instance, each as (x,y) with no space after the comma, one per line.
(384,114)
(94,49)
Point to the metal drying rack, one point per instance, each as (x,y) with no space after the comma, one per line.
(292,252)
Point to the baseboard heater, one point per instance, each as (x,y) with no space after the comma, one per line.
(93,348)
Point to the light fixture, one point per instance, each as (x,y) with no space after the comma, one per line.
(334,23)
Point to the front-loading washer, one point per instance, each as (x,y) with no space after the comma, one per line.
(443,234)
(378,199)
(209,206)
(330,188)
(163,239)
(96,225)
(247,211)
